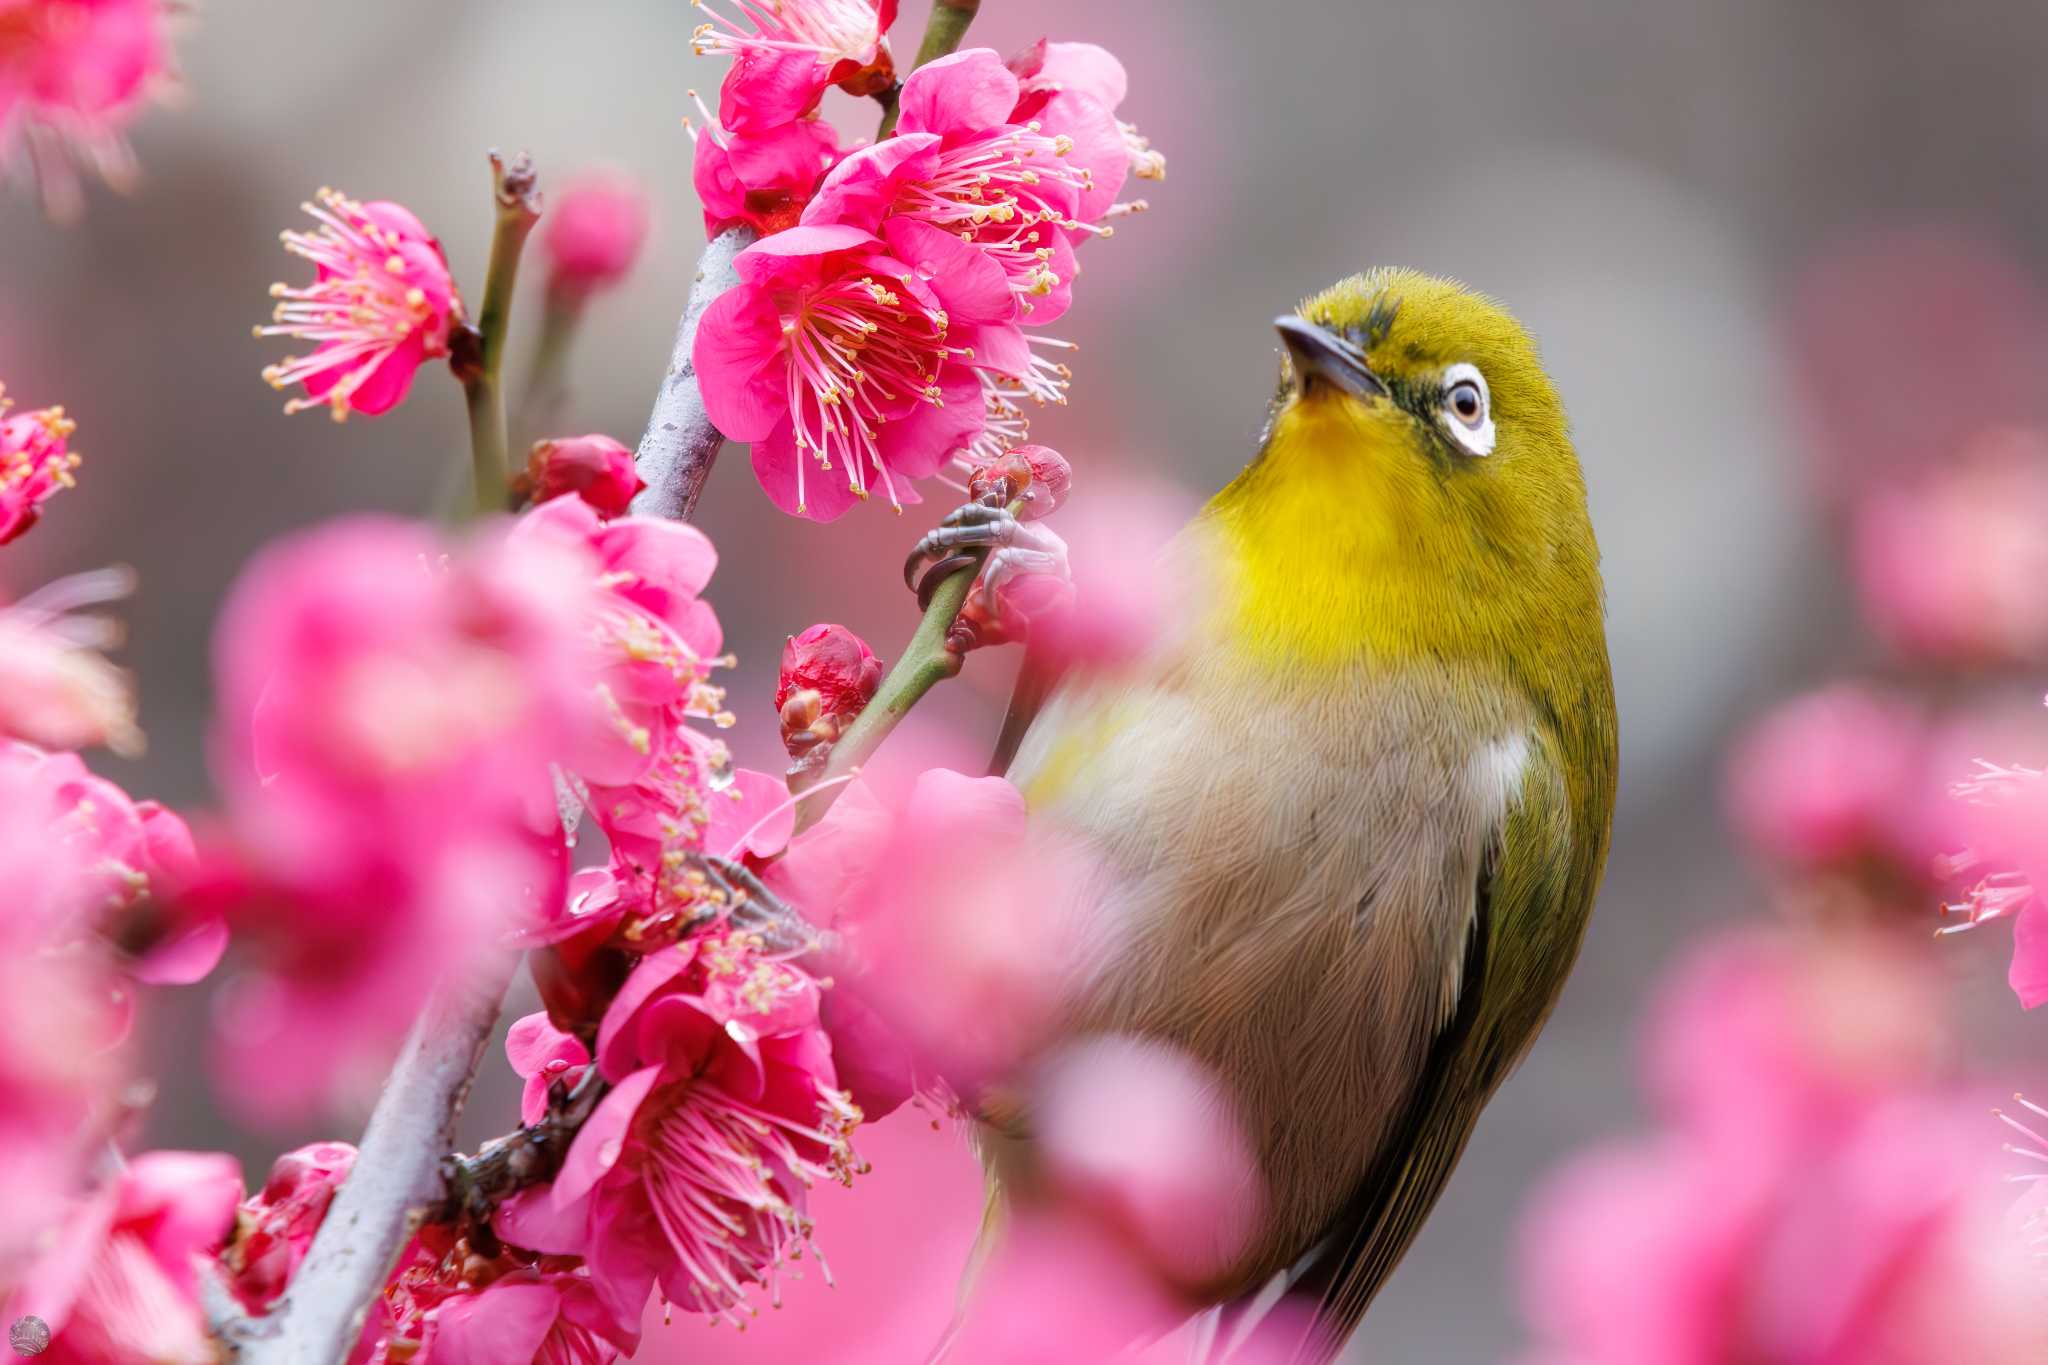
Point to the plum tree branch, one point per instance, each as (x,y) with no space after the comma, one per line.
(681,446)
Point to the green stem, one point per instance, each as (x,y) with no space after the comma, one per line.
(943,33)
(479,362)
(925,663)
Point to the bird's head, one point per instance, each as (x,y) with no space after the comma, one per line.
(1417,486)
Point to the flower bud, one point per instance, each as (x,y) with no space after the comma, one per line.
(1038,474)
(593,233)
(274,1227)
(595,468)
(828,675)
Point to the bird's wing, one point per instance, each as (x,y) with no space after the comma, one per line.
(1534,890)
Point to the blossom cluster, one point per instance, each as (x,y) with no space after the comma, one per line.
(884,324)
(72,78)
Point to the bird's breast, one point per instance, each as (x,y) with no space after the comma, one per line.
(1286,875)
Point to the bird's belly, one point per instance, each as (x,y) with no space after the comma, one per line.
(1285,895)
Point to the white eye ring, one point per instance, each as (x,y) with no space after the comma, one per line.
(1468,409)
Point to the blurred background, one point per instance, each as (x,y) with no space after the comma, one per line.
(1766,249)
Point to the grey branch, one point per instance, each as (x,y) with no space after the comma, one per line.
(681,445)
(397,1176)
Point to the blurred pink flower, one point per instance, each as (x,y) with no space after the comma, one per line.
(1811,1199)
(593,231)
(787,52)
(36,459)
(2006,829)
(831,351)
(73,75)
(596,469)
(1949,560)
(760,179)
(1140,1139)
(389,706)
(828,676)
(56,688)
(121,1281)
(1827,779)
(692,1170)
(274,1227)
(381,305)
(1132,590)
(133,859)
(972,994)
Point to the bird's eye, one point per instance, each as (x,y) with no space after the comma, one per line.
(1468,410)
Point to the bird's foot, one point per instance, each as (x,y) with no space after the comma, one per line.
(751,906)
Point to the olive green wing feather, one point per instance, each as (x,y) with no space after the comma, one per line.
(1534,891)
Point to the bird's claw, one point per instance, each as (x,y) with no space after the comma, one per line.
(935,558)
(750,905)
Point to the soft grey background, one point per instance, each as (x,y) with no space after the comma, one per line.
(1643,180)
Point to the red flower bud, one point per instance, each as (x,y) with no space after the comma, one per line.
(1039,474)
(595,468)
(828,675)
(593,233)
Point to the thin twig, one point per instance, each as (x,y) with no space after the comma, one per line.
(479,352)
(681,445)
(395,1180)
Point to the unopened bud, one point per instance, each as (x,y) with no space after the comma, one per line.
(593,233)
(274,1227)
(595,468)
(828,675)
(1039,475)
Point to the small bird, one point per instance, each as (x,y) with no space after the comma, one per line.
(1354,819)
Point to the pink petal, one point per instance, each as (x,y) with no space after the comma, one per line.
(530,1219)
(650,976)
(965,92)
(766,260)
(860,190)
(915,445)
(602,1142)
(740,364)
(2029,974)
(185,957)
(756,808)
(972,287)
(1087,68)
(826,494)
(504,1324)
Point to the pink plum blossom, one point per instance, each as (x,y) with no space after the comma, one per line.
(1949,560)
(447,1305)
(73,77)
(971,993)
(724,1106)
(828,676)
(763,179)
(595,468)
(36,460)
(846,368)
(958,164)
(121,1281)
(1069,87)
(1139,1138)
(274,1227)
(389,706)
(1810,1199)
(786,53)
(57,689)
(2006,828)
(59,1079)
(593,232)
(381,304)
(1826,779)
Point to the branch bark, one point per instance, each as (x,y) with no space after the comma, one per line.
(681,445)
(396,1179)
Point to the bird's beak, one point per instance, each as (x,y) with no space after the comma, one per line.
(1322,357)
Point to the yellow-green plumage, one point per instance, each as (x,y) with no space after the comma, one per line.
(1354,818)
